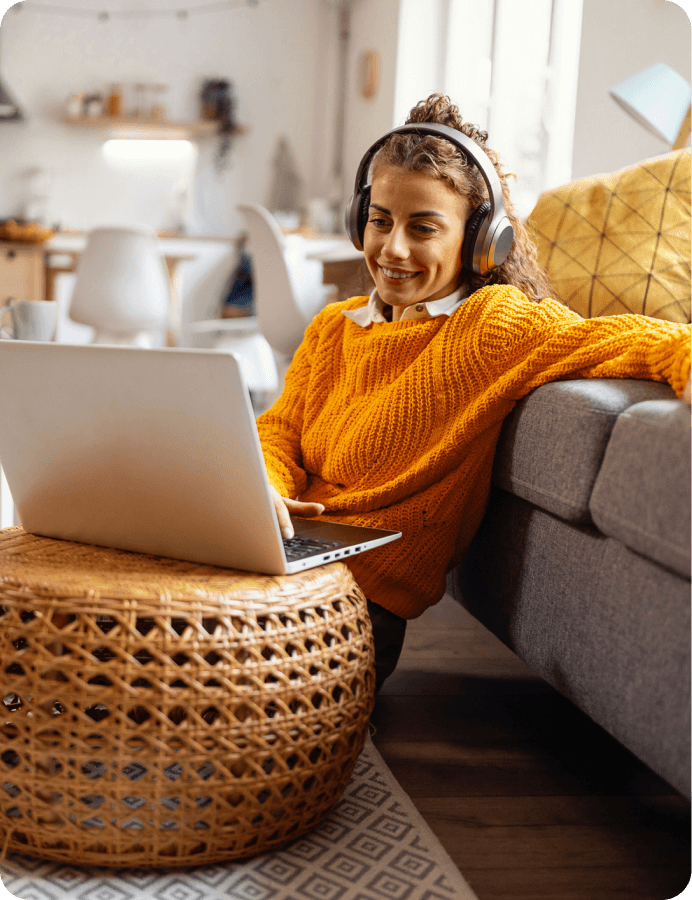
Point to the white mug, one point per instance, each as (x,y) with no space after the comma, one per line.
(30,320)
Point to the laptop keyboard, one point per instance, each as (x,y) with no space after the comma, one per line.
(298,548)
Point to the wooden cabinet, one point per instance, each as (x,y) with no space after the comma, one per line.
(22,272)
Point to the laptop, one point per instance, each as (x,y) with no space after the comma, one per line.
(154,451)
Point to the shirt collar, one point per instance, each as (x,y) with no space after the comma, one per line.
(374,310)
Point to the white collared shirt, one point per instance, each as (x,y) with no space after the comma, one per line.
(427,309)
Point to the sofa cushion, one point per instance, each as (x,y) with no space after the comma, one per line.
(642,492)
(620,243)
(553,442)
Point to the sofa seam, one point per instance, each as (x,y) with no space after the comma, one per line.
(617,520)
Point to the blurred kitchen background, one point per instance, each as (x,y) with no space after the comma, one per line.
(169,115)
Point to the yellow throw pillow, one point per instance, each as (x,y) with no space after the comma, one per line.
(620,243)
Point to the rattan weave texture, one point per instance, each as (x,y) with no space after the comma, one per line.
(162,713)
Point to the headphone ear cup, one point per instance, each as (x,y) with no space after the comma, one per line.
(471,234)
(363,212)
(349,223)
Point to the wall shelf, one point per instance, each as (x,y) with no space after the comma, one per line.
(131,127)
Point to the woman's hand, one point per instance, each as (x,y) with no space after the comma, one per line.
(687,395)
(285,508)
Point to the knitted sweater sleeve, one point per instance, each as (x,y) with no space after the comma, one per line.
(531,344)
(280,427)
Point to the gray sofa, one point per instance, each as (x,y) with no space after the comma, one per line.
(582,562)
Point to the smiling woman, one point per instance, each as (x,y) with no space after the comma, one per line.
(393,404)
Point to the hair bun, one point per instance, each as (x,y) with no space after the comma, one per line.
(439,109)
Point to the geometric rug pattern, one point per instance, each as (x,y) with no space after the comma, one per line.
(374,845)
(620,243)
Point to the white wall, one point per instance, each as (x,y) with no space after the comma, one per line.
(278,54)
(374,26)
(619,38)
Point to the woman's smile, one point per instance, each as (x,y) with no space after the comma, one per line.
(413,237)
(397,275)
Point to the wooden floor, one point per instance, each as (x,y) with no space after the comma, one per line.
(530,798)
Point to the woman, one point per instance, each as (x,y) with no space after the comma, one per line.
(393,404)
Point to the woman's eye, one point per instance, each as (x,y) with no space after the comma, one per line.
(379,223)
(426,229)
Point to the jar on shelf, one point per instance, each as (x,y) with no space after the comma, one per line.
(93,105)
(114,101)
(75,105)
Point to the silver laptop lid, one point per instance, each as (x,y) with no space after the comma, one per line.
(148,450)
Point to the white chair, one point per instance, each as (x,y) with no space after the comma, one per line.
(122,286)
(287,287)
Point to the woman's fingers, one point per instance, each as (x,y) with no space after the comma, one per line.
(307,510)
(285,507)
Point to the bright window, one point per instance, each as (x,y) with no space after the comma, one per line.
(512,69)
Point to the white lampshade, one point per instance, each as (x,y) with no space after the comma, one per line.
(658,98)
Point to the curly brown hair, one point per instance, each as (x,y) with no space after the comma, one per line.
(442,159)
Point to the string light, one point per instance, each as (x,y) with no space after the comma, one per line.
(105,15)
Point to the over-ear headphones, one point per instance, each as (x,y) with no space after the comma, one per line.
(488,235)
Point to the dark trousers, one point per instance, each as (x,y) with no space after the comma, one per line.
(388,631)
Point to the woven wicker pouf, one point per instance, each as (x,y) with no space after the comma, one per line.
(162,713)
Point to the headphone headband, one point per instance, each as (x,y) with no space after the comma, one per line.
(491,234)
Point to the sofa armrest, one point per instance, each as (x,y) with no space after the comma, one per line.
(552,444)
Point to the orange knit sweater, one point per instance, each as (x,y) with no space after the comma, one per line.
(395,425)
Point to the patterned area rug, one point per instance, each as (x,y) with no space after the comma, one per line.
(374,845)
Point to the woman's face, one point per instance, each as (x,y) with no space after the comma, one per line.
(413,237)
